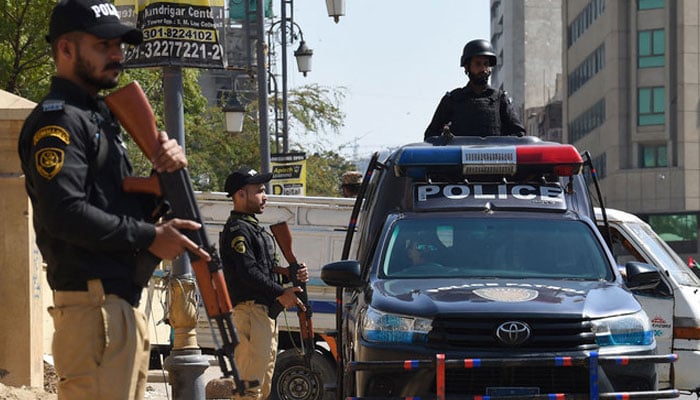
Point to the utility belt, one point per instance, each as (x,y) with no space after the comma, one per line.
(94,291)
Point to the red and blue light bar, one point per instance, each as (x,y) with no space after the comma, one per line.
(557,159)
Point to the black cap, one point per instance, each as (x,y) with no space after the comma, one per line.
(244,176)
(98,17)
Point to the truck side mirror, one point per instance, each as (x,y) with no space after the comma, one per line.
(641,276)
(342,274)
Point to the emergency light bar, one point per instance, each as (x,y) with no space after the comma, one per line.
(557,159)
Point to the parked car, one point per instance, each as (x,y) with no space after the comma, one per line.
(673,306)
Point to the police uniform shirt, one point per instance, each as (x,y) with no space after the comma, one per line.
(86,226)
(248,256)
(488,113)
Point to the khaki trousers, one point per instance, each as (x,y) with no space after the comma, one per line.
(100,346)
(256,353)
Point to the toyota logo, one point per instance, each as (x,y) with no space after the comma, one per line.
(513,333)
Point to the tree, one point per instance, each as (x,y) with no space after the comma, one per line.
(25,55)
(323,171)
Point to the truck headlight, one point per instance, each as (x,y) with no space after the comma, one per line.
(624,330)
(378,326)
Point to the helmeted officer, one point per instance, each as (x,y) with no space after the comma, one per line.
(476,109)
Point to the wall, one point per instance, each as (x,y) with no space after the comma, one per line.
(21,326)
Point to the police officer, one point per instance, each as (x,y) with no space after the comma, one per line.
(476,109)
(249,259)
(350,183)
(97,241)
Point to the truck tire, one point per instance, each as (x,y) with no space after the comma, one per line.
(292,380)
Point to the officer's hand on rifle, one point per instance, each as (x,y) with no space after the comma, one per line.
(289,298)
(302,273)
(169,156)
(170,243)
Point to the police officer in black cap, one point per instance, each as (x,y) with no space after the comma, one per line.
(250,260)
(476,109)
(100,244)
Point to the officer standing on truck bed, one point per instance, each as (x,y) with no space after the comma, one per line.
(476,109)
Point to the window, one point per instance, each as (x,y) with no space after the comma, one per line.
(650,4)
(676,229)
(587,121)
(651,47)
(593,64)
(654,156)
(435,248)
(584,19)
(651,105)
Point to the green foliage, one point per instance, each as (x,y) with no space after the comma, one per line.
(315,112)
(25,56)
(675,227)
(323,173)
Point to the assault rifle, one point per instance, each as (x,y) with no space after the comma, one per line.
(283,237)
(130,105)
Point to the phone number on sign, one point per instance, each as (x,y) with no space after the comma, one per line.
(199,35)
(177,49)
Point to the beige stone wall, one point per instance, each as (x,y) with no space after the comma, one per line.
(21,325)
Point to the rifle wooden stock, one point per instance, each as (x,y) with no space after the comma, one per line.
(130,105)
(134,184)
(283,237)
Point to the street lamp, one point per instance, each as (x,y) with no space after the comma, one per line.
(336,9)
(303,55)
(234,112)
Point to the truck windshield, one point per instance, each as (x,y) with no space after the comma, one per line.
(498,248)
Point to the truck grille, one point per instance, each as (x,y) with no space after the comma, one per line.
(547,380)
(549,334)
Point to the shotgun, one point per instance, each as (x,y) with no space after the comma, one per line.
(131,107)
(283,237)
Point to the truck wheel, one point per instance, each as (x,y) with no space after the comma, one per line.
(292,380)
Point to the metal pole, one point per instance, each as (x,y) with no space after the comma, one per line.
(285,125)
(262,90)
(185,364)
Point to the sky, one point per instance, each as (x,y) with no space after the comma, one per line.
(395,59)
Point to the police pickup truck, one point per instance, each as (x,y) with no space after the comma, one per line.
(479,273)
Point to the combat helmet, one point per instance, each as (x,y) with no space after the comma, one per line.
(478,47)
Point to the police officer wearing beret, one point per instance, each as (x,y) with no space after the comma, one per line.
(99,243)
(476,109)
(249,261)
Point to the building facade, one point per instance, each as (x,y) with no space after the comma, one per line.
(526,37)
(631,97)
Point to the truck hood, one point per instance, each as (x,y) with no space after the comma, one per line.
(429,297)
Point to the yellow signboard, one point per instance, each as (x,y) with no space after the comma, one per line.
(289,174)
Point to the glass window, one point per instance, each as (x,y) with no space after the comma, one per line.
(657,252)
(651,106)
(675,227)
(488,247)
(654,156)
(651,48)
(650,4)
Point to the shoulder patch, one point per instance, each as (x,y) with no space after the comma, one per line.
(51,131)
(238,244)
(52,105)
(49,162)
